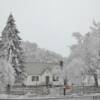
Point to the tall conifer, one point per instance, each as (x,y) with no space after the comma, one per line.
(13,51)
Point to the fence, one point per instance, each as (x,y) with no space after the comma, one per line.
(43,90)
(40,90)
(85,89)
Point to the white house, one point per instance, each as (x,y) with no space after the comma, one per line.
(43,74)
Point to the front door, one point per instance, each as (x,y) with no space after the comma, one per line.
(47,80)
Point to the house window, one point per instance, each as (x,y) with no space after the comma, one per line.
(55,78)
(35,78)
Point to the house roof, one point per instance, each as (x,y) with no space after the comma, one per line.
(37,68)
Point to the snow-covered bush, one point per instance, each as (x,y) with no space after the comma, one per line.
(7,74)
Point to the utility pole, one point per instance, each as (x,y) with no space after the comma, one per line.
(64,81)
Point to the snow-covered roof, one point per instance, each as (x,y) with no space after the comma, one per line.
(36,68)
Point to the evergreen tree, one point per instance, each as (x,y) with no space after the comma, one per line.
(13,51)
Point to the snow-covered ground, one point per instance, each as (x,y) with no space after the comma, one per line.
(67,97)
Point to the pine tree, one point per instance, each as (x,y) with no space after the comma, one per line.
(13,51)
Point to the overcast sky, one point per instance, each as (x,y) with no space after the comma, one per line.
(50,23)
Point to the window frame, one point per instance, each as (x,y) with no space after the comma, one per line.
(55,77)
(35,78)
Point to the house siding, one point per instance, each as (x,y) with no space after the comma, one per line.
(43,77)
(28,81)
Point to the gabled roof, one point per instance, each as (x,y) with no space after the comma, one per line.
(37,68)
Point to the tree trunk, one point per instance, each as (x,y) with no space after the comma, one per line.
(96,80)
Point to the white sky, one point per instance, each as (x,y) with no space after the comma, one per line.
(50,23)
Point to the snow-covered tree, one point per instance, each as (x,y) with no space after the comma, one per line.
(7,74)
(34,53)
(12,47)
(92,47)
(88,51)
